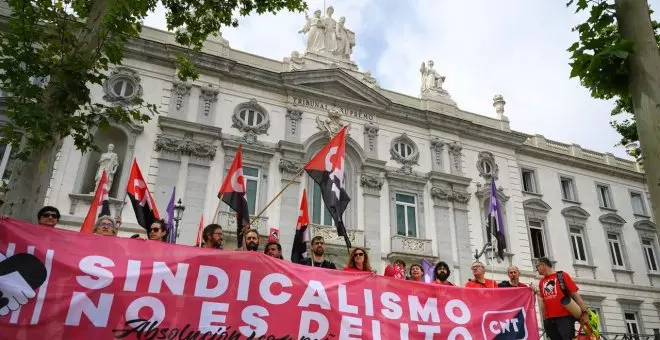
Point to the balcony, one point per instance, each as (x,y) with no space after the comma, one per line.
(410,246)
(228,222)
(330,236)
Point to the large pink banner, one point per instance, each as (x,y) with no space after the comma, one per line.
(57,284)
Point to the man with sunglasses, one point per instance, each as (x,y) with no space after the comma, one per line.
(48,216)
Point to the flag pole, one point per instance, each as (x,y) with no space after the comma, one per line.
(217,209)
(277,196)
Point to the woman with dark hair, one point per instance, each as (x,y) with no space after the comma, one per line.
(158,231)
(441,274)
(416,273)
(358,262)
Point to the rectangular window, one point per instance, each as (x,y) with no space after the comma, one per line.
(604,196)
(529,181)
(251,176)
(632,325)
(616,252)
(568,189)
(649,254)
(577,241)
(320,214)
(639,208)
(537,239)
(406,215)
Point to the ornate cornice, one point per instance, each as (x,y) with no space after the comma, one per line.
(185,147)
(483,191)
(173,126)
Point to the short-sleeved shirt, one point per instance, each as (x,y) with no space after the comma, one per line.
(324,264)
(507,284)
(476,284)
(446,283)
(551,294)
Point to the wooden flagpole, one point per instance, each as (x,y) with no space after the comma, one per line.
(277,196)
(217,209)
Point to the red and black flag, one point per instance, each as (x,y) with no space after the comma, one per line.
(141,199)
(327,170)
(299,242)
(100,197)
(233,192)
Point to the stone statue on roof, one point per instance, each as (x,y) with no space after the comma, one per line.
(315,30)
(431,79)
(328,37)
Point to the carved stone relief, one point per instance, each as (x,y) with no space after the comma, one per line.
(207,98)
(289,167)
(437,146)
(293,118)
(456,158)
(371,139)
(371,182)
(185,147)
(180,95)
(446,194)
(333,124)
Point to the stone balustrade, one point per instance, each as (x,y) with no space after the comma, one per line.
(411,246)
(330,236)
(228,222)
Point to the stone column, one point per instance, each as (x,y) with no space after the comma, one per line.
(371,186)
(436,155)
(441,199)
(289,166)
(465,257)
(293,118)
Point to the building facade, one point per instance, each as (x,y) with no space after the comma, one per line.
(417,169)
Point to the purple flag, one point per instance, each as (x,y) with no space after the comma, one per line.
(495,225)
(171,233)
(429,269)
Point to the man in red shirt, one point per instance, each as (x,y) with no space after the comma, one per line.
(514,278)
(480,280)
(558,323)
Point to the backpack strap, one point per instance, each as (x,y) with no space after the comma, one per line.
(562,283)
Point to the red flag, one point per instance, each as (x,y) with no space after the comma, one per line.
(141,199)
(233,192)
(100,196)
(327,170)
(274,235)
(299,243)
(200,230)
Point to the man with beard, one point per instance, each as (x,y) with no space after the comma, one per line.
(251,240)
(273,249)
(212,236)
(514,278)
(317,259)
(442,274)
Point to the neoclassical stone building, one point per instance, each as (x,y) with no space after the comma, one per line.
(417,169)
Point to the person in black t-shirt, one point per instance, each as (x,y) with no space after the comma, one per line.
(317,259)
(514,278)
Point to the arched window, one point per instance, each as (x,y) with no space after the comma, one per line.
(122,86)
(404,149)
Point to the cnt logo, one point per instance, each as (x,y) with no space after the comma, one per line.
(505,325)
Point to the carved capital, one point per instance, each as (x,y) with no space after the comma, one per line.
(442,194)
(372,182)
(455,148)
(371,129)
(185,147)
(294,114)
(437,145)
(289,168)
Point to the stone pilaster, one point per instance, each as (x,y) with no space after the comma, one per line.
(456,158)
(289,166)
(293,118)
(465,257)
(437,157)
(371,140)
(441,203)
(372,183)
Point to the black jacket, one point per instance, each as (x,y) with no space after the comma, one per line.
(324,264)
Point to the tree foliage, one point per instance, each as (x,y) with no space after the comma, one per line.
(51,51)
(600,60)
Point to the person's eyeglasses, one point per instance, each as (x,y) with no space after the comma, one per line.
(107,225)
(157,230)
(49,215)
(358,254)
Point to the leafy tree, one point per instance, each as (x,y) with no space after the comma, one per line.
(53,51)
(617,57)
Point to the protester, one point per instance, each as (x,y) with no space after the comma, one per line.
(359,261)
(274,249)
(396,270)
(480,280)
(212,236)
(105,225)
(558,322)
(441,274)
(317,259)
(251,240)
(137,236)
(416,273)
(514,278)
(158,231)
(48,216)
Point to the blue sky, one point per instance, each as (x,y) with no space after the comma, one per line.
(514,47)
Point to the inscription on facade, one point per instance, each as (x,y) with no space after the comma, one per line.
(344,111)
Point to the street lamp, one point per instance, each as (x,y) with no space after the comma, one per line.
(178,215)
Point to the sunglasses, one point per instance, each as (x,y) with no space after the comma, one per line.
(157,230)
(49,215)
(358,254)
(107,225)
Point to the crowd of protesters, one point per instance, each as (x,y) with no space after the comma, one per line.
(559,323)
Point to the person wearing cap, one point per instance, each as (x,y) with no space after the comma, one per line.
(48,216)
(480,280)
(273,249)
(558,322)
(105,225)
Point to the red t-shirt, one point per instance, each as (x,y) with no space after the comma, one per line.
(477,284)
(446,283)
(551,294)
